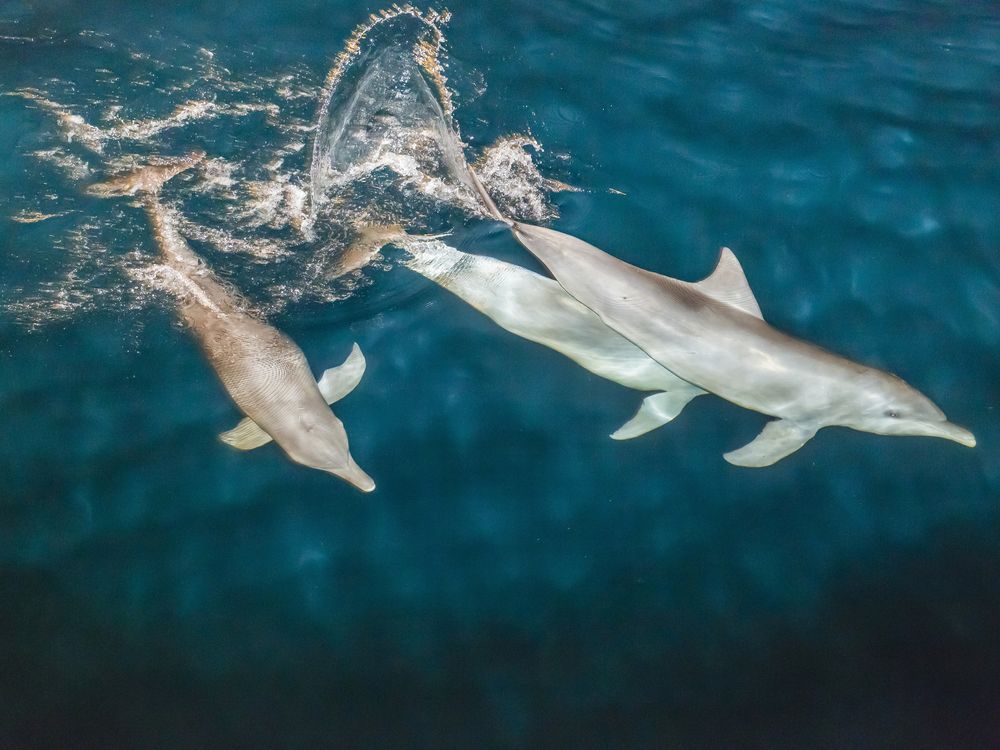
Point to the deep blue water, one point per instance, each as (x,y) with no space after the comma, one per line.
(517,579)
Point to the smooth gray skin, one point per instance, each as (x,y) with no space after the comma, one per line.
(539,309)
(263,370)
(711,334)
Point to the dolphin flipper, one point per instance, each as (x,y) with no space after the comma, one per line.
(778,439)
(335,383)
(655,411)
(338,381)
(245,436)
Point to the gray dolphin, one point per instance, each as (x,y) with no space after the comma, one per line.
(262,369)
(539,309)
(712,335)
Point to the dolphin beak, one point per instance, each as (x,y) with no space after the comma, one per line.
(356,476)
(950,431)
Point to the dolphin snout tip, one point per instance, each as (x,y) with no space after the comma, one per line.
(359,479)
(959,435)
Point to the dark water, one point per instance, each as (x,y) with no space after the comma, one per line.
(517,579)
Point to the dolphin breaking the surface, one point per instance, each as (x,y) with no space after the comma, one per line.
(263,370)
(539,309)
(712,335)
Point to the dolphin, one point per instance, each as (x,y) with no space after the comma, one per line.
(263,370)
(537,308)
(146,179)
(712,335)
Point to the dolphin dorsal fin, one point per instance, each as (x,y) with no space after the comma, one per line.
(727,284)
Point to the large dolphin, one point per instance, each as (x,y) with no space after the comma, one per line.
(712,334)
(262,369)
(539,309)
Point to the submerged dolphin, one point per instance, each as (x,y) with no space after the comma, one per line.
(712,335)
(146,179)
(262,369)
(539,309)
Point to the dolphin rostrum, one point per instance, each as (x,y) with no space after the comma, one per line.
(712,334)
(539,309)
(262,369)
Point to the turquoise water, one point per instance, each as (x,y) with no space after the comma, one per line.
(517,579)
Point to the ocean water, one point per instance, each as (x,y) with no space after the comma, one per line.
(517,579)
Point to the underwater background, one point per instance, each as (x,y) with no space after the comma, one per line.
(517,579)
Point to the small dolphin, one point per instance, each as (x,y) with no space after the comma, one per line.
(712,335)
(145,179)
(539,309)
(262,369)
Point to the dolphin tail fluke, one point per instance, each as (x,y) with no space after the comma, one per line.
(369,241)
(245,436)
(338,381)
(778,439)
(365,247)
(656,411)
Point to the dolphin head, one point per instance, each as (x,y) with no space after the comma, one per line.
(322,444)
(893,407)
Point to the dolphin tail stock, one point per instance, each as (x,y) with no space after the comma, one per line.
(334,384)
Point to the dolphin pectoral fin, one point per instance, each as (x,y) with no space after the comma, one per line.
(245,436)
(728,284)
(778,439)
(338,381)
(655,411)
(334,384)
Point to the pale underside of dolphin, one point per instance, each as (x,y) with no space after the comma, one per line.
(539,309)
(262,370)
(712,335)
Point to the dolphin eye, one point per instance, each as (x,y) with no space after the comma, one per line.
(892,414)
